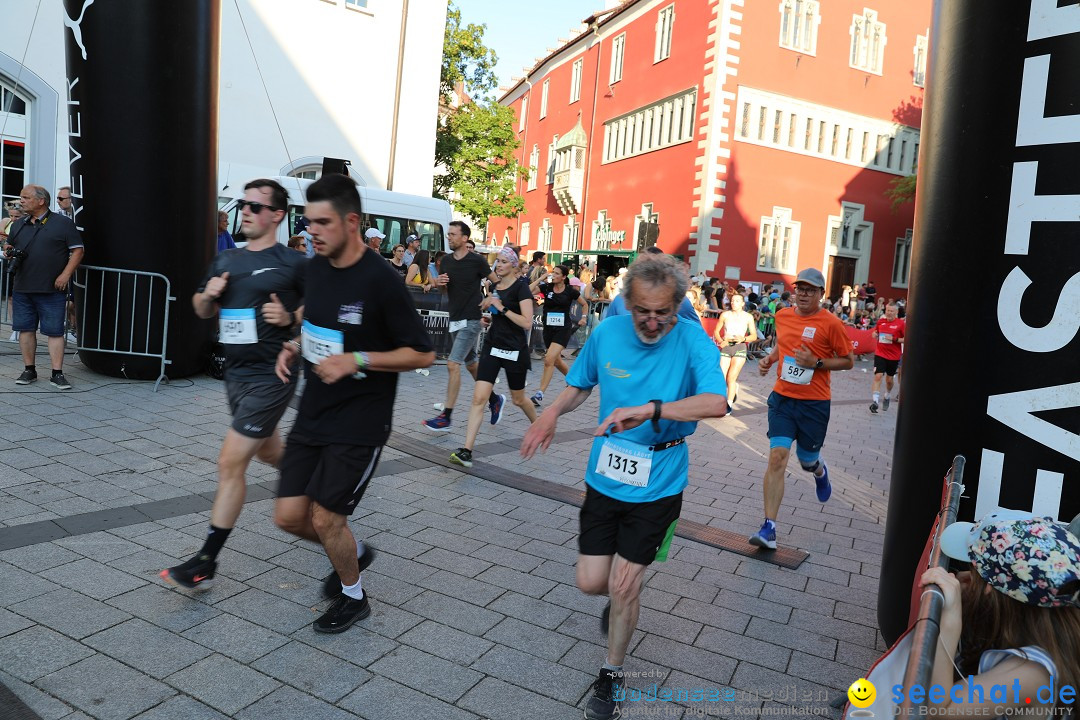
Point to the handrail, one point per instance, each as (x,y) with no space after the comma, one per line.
(924,637)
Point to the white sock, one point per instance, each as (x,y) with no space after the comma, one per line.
(877,397)
(820,471)
(359,547)
(353,591)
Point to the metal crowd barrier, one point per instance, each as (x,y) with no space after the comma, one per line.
(5,291)
(124,333)
(924,638)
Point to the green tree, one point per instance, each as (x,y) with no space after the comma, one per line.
(475,145)
(466,59)
(901,190)
(474,141)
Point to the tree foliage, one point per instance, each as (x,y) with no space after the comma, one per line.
(901,190)
(475,145)
(474,142)
(466,59)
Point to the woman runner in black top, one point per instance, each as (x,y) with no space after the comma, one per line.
(506,347)
(559,297)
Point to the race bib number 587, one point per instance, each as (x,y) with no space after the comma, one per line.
(794,373)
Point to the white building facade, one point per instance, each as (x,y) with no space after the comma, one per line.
(334,72)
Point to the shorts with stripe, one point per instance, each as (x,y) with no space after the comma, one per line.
(335,476)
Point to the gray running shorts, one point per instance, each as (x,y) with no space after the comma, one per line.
(464,350)
(257,407)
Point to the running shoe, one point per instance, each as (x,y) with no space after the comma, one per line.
(824,488)
(59,382)
(496,406)
(196,572)
(331,587)
(765,537)
(342,613)
(27,377)
(885,404)
(873,407)
(605,618)
(462,457)
(602,704)
(537,398)
(439,423)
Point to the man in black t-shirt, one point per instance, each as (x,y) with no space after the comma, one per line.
(256,293)
(360,330)
(461,273)
(50,249)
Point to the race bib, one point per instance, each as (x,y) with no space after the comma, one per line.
(456,325)
(885,338)
(510,355)
(555,319)
(625,462)
(794,373)
(318,342)
(237,326)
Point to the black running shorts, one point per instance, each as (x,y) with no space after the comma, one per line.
(257,407)
(636,531)
(335,476)
(881,365)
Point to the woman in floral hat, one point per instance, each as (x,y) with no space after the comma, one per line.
(1015,617)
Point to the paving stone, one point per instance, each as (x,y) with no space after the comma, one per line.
(669,653)
(223,684)
(388,620)
(42,704)
(792,637)
(446,642)
(105,689)
(181,707)
(442,539)
(288,704)
(164,607)
(520,582)
(19,585)
(147,648)
(492,697)
(363,647)
(454,562)
(547,678)
(93,579)
(70,613)
(382,699)
(455,613)
(323,675)
(505,558)
(421,671)
(38,651)
(584,627)
(269,611)
(100,546)
(462,588)
(235,638)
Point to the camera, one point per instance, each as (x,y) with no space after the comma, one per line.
(15,260)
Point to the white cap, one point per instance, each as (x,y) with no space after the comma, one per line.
(374,232)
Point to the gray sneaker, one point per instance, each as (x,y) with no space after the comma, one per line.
(602,703)
(885,404)
(59,382)
(27,377)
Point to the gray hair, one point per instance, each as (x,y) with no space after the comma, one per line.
(657,271)
(41,194)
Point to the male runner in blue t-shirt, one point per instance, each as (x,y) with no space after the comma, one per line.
(658,375)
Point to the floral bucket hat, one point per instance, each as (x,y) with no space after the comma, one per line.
(1035,560)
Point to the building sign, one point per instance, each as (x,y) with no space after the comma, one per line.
(607,239)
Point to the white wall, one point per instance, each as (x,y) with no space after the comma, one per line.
(330,73)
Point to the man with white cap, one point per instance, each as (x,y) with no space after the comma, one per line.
(810,343)
(373,237)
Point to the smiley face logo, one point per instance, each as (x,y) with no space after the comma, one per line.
(862,693)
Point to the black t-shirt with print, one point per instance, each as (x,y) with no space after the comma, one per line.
(48,243)
(369,305)
(503,333)
(463,290)
(253,276)
(559,302)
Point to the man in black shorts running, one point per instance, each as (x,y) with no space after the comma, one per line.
(256,293)
(360,330)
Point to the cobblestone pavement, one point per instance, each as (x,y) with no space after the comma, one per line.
(474,609)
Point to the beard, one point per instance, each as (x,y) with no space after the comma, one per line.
(645,338)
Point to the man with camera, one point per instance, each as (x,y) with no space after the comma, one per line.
(43,250)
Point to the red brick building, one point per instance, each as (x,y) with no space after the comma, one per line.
(752,139)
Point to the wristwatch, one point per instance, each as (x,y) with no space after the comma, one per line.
(819,364)
(362,361)
(657,404)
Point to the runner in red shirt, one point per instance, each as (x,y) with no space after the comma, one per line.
(889,334)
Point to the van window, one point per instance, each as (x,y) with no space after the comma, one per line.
(397,229)
(295,213)
(431,236)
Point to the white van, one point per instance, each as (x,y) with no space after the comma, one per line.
(394,214)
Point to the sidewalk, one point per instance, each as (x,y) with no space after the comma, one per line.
(474,609)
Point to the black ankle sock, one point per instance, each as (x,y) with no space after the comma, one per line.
(31,368)
(215,540)
(57,372)
(492,398)
(448,412)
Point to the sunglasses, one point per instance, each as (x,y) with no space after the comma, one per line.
(61,199)
(256,207)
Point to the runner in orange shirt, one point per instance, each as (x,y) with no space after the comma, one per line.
(810,343)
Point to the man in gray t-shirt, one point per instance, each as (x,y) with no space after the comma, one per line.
(257,294)
(45,248)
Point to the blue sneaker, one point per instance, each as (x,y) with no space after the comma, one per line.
(824,488)
(439,423)
(496,407)
(765,537)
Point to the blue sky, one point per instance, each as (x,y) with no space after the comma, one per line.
(520,32)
